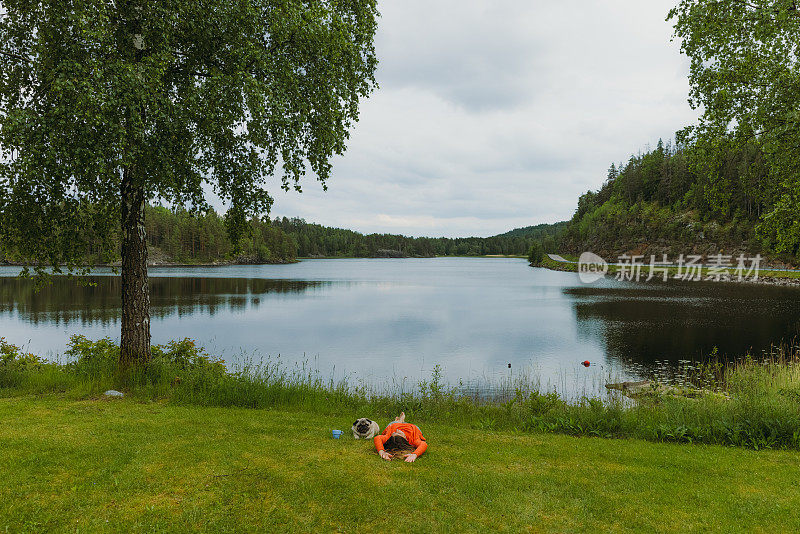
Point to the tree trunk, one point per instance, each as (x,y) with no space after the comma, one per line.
(135,342)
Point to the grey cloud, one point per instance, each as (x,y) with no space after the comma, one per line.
(499,114)
(475,54)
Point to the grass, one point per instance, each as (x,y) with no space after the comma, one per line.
(196,447)
(99,465)
(554,265)
(757,405)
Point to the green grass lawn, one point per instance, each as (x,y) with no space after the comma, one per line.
(120,465)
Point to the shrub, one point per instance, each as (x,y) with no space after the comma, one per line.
(536,253)
(93,359)
(13,360)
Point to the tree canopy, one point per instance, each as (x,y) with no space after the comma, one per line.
(108,104)
(185,93)
(745,77)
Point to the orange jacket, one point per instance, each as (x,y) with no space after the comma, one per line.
(412,432)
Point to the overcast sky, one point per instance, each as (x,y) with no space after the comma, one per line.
(497,114)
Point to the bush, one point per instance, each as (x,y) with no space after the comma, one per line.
(93,359)
(15,362)
(27,372)
(536,253)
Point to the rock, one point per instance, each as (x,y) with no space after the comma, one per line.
(113,393)
(631,388)
(646,388)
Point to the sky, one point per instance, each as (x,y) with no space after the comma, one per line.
(499,114)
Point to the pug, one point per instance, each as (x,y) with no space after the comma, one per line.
(365,428)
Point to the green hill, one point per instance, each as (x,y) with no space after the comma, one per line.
(539,231)
(315,240)
(682,199)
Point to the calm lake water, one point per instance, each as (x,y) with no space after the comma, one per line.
(389,322)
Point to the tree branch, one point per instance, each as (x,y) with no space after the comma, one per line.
(13,56)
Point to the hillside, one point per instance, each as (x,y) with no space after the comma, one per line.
(682,200)
(540,231)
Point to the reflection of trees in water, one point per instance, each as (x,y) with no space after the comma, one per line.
(639,326)
(65,301)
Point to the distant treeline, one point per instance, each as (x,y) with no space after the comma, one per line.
(675,199)
(203,238)
(314,240)
(181,236)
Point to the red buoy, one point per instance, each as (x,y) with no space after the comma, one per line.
(586,363)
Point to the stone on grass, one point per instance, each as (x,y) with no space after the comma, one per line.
(113,393)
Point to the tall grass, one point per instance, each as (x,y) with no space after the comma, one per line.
(759,406)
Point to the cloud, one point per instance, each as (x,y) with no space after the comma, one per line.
(495,115)
(453,48)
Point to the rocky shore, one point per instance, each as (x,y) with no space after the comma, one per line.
(766,275)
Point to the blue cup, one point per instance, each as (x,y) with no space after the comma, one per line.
(336,434)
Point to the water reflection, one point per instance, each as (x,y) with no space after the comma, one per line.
(66,302)
(392,321)
(642,324)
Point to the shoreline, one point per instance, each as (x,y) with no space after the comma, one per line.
(286,262)
(766,276)
(164,264)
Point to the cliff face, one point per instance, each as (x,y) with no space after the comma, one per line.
(612,230)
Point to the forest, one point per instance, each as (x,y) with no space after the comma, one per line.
(179,236)
(694,195)
(684,197)
(314,240)
(731,182)
(204,238)
(681,198)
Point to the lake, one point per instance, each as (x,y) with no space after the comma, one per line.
(388,322)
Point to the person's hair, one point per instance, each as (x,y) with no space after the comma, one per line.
(397,445)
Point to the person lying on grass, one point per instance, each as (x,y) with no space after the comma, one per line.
(401,439)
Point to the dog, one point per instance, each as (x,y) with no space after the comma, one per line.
(365,428)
